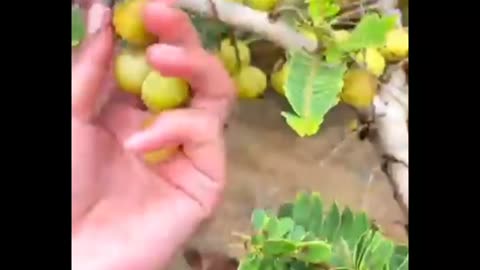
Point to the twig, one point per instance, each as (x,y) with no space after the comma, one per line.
(245,18)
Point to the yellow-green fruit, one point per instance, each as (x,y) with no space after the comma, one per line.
(162,93)
(160,155)
(227,55)
(251,82)
(131,69)
(396,46)
(373,60)
(341,35)
(278,79)
(128,22)
(359,88)
(262,5)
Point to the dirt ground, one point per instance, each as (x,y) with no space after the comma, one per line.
(268,164)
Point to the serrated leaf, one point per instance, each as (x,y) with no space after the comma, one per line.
(278,247)
(303,126)
(301,210)
(314,252)
(259,219)
(313,87)
(285,210)
(297,234)
(331,224)
(320,10)
(252,262)
(78,26)
(370,32)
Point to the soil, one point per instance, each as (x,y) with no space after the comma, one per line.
(269,164)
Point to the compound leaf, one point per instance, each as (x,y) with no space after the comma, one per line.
(312,86)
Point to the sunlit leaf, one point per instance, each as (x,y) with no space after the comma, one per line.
(252,262)
(371,32)
(320,10)
(303,126)
(278,247)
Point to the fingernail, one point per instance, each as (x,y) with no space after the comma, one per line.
(98,17)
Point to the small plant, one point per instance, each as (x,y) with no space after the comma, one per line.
(302,236)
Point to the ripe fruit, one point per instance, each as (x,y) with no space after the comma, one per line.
(374,61)
(359,88)
(262,5)
(161,93)
(396,46)
(128,22)
(278,79)
(251,82)
(161,154)
(131,69)
(227,55)
(341,35)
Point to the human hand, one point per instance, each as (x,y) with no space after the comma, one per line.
(126,214)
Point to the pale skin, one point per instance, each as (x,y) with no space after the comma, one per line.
(127,214)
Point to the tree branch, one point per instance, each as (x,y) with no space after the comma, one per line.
(245,18)
(391,120)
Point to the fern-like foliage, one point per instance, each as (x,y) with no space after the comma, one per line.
(303,236)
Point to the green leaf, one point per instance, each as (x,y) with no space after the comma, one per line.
(370,32)
(334,55)
(78,25)
(342,255)
(316,215)
(301,210)
(399,259)
(379,254)
(258,239)
(210,31)
(346,227)
(360,225)
(362,247)
(314,251)
(277,228)
(278,247)
(331,224)
(313,87)
(252,262)
(322,9)
(297,234)
(303,126)
(285,210)
(259,219)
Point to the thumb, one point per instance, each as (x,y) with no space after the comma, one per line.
(92,65)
